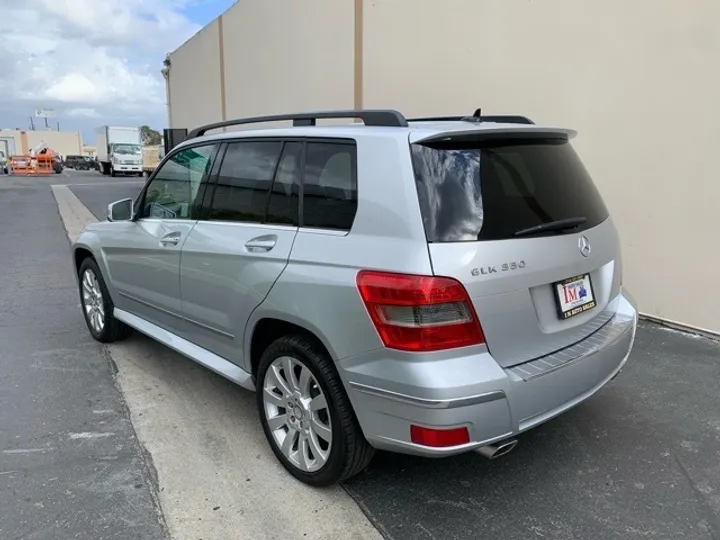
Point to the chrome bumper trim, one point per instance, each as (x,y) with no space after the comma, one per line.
(608,334)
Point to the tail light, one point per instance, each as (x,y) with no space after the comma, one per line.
(419,313)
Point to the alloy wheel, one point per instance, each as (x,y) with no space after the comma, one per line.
(93,301)
(297,414)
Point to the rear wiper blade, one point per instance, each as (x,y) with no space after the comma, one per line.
(559,225)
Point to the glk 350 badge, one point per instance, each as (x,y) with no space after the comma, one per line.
(494,269)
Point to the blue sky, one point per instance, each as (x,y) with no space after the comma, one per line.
(93,62)
(205,12)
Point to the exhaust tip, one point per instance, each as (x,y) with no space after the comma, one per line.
(493,451)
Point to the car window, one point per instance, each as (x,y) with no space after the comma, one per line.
(330,185)
(172,191)
(283,204)
(244,180)
(474,191)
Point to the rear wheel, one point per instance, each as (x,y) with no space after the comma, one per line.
(98,306)
(306,414)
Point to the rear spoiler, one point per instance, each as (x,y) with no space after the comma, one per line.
(483,134)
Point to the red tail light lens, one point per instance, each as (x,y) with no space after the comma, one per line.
(419,313)
(439,438)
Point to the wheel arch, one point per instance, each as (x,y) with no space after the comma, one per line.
(268,328)
(80,253)
(83,251)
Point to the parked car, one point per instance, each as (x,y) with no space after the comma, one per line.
(79,163)
(432,286)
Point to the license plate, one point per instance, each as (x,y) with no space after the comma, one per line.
(574,296)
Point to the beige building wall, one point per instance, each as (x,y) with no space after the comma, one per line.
(284,56)
(194,80)
(11,142)
(638,80)
(61,142)
(276,57)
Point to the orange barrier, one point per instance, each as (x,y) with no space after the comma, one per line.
(44,164)
(20,165)
(27,165)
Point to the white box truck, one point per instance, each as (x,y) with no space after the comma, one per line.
(119,150)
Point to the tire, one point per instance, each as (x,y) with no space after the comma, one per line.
(112,172)
(96,291)
(348,453)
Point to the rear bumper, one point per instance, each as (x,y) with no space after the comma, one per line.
(392,391)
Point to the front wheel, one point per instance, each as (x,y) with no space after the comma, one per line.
(98,306)
(306,414)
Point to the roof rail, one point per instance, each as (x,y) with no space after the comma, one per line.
(370,117)
(476,117)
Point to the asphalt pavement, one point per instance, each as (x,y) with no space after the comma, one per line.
(70,463)
(638,460)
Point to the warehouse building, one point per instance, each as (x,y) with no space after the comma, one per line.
(15,141)
(636,79)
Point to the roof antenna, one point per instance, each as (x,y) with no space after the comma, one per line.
(476,117)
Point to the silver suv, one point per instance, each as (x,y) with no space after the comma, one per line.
(431,286)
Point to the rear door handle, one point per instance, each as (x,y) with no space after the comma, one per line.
(261,243)
(172,239)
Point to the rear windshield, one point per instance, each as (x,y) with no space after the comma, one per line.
(490,190)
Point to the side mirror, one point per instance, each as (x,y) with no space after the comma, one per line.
(120,210)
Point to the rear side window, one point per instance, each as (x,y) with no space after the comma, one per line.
(330,185)
(244,180)
(490,190)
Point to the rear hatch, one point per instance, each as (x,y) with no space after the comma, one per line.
(515,217)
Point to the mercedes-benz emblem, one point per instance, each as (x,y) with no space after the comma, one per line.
(584,245)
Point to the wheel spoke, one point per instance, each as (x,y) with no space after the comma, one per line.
(321,430)
(277,422)
(289,442)
(318,403)
(96,287)
(87,280)
(271,397)
(278,381)
(307,461)
(320,454)
(304,381)
(288,368)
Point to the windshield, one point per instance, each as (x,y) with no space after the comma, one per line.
(128,149)
(494,189)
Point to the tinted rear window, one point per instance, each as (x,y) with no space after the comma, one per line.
(490,190)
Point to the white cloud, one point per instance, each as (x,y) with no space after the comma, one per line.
(83,113)
(88,58)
